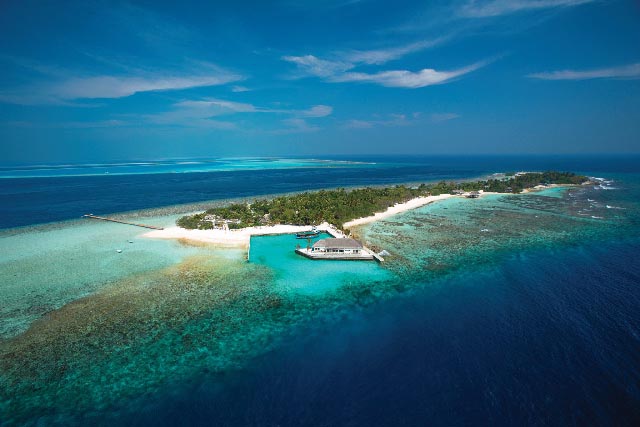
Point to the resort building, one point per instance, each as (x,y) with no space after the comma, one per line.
(336,248)
(219,223)
(333,245)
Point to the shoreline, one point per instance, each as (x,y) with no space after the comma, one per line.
(539,188)
(397,209)
(235,238)
(416,203)
(241,238)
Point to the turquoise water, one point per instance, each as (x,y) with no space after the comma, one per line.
(47,267)
(551,192)
(293,272)
(167,166)
(437,236)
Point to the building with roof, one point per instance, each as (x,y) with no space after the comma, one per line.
(336,248)
(334,245)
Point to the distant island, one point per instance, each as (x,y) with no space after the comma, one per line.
(341,207)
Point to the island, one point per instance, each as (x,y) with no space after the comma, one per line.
(336,211)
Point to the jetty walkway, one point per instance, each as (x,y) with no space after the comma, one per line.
(102,218)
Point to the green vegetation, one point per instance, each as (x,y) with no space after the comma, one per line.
(339,206)
(517,183)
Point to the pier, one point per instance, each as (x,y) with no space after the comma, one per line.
(331,230)
(102,218)
(374,255)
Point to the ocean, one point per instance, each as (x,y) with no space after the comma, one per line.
(54,193)
(507,310)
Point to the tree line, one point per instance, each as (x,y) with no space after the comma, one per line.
(341,205)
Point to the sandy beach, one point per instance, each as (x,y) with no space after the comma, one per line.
(545,187)
(242,237)
(396,209)
(235,238)
(403,207)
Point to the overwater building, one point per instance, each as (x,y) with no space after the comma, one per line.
(336,248)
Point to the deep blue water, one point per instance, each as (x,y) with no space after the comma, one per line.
(26,201)
(541,338)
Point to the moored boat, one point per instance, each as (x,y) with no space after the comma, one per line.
(308,234)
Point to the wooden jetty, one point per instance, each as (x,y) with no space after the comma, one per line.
(374,255)
(102,218)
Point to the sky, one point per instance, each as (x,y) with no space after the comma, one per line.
(108,80)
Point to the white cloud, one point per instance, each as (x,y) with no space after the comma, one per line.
(342,69)
(123,86)
(296,125)
(310,65)
(443,117)
(199,113)
(215,107)
(239,89)
(380,56)
(394,120)
(316,111)
(390,120)
(485,9)
(359,124)
(23,97)
(408,79)
(623,72)
(341,62)
(61,91)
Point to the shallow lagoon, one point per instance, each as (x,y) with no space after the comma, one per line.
(45,267)
(293,272)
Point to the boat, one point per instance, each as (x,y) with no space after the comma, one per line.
(308,234)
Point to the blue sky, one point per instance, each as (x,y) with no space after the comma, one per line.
(98,80)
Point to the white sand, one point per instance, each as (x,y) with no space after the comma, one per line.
(233,238)
(545,187)
(396,209)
